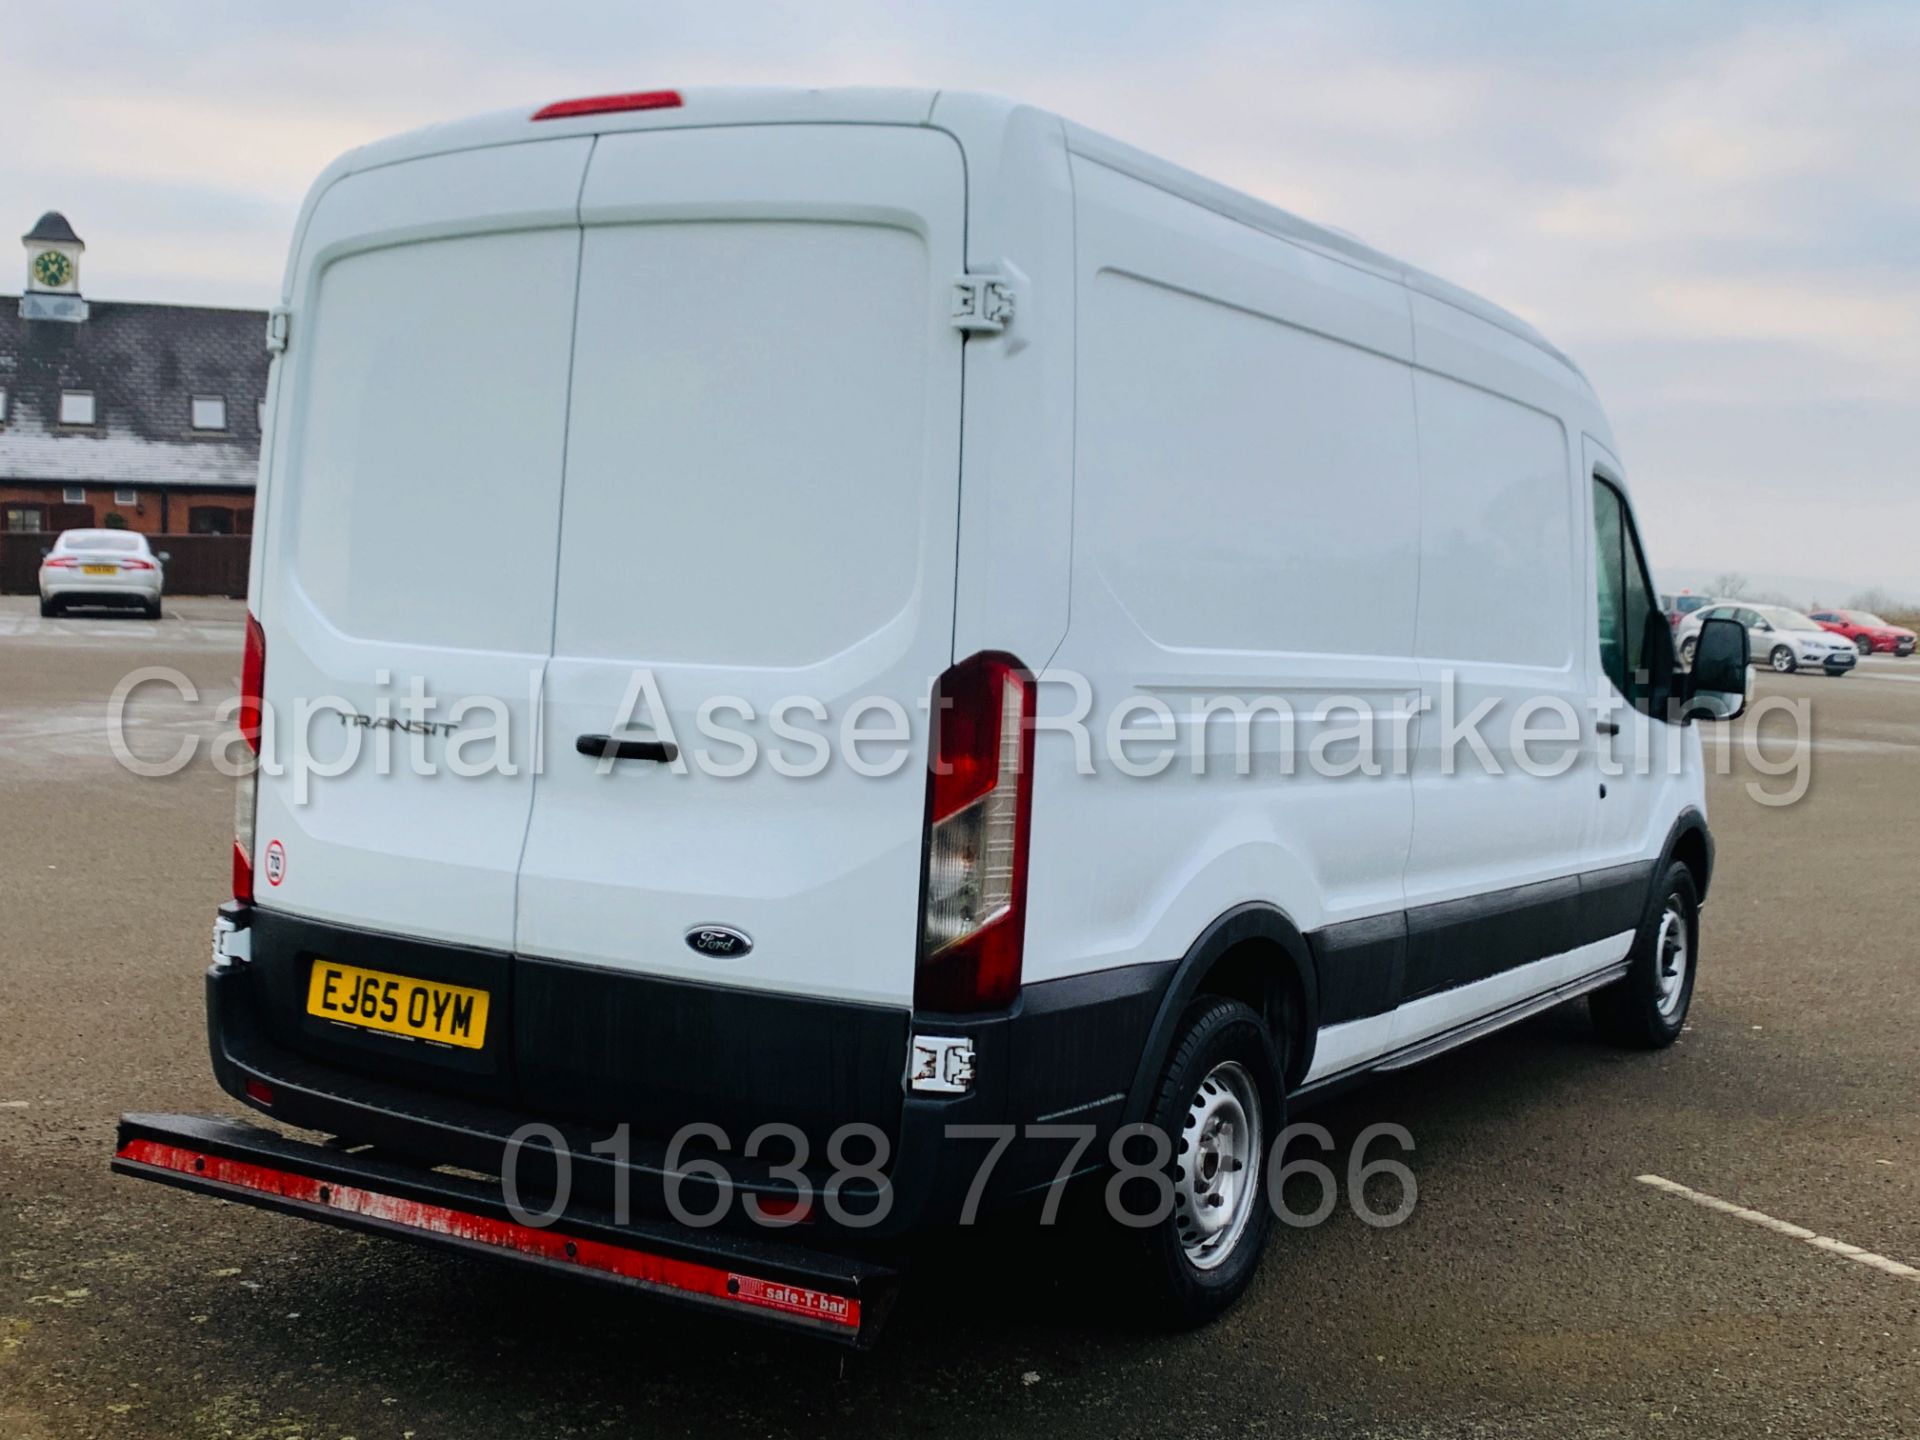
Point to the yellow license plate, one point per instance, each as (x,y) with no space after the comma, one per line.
(398,1005)
(99,569)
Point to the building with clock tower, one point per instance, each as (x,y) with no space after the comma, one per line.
(53,271)
(120,413)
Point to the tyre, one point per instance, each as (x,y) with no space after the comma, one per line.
(1864,645)
(1686,650)
(1646,1009)
(1222,1104)
(151,610)
(49,608)
(1782,660)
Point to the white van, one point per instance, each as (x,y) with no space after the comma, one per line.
(862,513)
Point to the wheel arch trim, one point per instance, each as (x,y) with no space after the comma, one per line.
(1689,839)
(1255,921)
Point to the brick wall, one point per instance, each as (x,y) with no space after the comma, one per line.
(152,511)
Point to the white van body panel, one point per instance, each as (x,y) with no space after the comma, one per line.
(1234,538)
(761,487)
(1502,566)
(1016,526)
(1221,453)
(434,298)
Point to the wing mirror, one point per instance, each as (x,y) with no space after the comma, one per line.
(1720,682)
(162,556)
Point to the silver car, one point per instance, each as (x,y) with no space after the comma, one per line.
(101,567)
(1783,640)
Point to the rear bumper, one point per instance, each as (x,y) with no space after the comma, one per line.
(102,591)
(830,1295)
(1067,1050)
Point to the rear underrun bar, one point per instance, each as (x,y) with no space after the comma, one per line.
(836,1297)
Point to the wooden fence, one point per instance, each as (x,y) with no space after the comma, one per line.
(196,564)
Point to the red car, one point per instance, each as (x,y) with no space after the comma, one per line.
(1868,632)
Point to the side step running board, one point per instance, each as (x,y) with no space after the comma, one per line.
(833,1296)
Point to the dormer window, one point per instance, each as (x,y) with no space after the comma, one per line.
(209,412)
(76,407)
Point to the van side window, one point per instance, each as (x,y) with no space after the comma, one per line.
(1636,648)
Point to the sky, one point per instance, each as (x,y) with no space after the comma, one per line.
(1713,207)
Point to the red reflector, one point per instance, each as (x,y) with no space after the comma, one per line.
(785,1207)
(609,104)
(260,1092)
(242,874)
(660,1271)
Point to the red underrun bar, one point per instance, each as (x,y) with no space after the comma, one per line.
(685,1276)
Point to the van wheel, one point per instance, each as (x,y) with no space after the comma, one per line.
(1781,659)
(1221,1104)
(1687,647)
(1647,1008)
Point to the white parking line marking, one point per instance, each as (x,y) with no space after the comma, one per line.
(1782,1227)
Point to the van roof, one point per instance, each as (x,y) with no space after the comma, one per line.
(873,105)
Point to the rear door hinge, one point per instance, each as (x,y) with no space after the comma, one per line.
(982,304)
(279,328)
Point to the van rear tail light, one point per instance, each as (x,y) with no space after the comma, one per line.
(245,795)
(979,809)
(253,676)
(610,104)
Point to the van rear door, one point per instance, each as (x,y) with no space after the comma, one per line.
(760,507)
(415,512)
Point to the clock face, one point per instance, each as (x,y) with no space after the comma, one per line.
(51,268)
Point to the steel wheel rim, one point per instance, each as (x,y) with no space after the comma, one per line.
(1783,659)
(1670,958)
(1217,1165)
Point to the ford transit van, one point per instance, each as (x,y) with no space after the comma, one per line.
(824,663)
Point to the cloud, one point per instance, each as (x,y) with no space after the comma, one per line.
(1715,207)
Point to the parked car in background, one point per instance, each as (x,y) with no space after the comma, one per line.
(1783,639)
(1679,607)
(101,567)
(1867,631)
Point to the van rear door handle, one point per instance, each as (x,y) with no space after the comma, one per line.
(605,747)
(1605,727)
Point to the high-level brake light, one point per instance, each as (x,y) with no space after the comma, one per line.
(610,104)
(979,809)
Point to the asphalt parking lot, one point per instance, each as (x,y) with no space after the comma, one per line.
(1540,1287)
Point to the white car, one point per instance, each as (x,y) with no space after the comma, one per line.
(1783,639)
(101,567)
